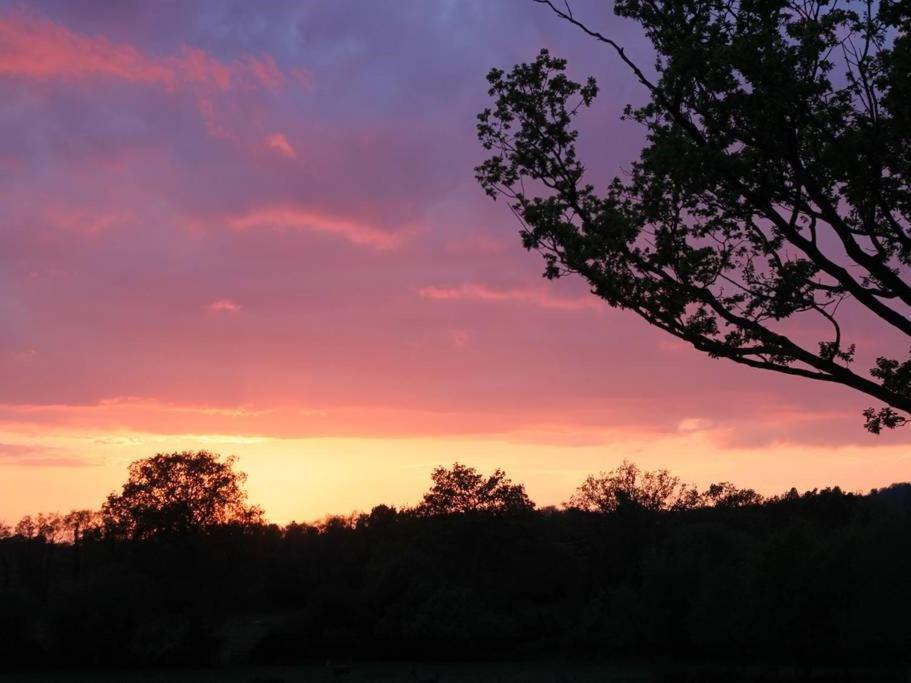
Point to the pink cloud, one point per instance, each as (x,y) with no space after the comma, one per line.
(265,72)
(279,143)
(534,297)
(35,48)
(40,456)
(224,306)
(152,416)
(303,77)
(88,222)
(300,218)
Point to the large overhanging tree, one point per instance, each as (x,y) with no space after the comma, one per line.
(772,188)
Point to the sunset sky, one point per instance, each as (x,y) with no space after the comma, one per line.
(254,228)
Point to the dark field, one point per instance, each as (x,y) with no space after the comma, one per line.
(806,586)
(487,672)
(802,579)
(532,672)
(481,672)
(500,672)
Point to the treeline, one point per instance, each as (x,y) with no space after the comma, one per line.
(177,568)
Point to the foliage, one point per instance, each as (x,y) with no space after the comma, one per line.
(69,528)
(813,577)
(726,495)
(773,187)
(629,486)
(639,564)
(178,493)
(462,489)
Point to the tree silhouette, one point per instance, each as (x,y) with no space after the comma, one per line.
(379,517)
(462,489)
(56,528)
(774,184)
(814,576)
(178,493)
(725,495)
(628,485)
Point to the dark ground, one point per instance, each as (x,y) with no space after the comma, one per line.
(818,578)
(486,672)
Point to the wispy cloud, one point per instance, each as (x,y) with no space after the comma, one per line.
(301,218)
(535,297)
(280,144)
(38,50)
(27,455)
(35,48)
(88,222)
(224,306)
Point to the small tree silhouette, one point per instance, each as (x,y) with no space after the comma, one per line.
(178,493)
(658,490)
(725,495)
(462,489)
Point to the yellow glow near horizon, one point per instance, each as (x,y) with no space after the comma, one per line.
(305,479)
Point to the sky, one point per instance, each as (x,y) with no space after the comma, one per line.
(254,228)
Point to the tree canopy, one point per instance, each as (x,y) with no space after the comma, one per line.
(772,194)
(462,489)
(178,493)
(627,485)
(645,570)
